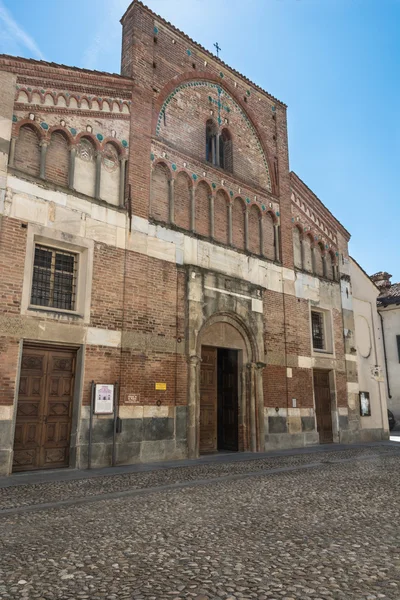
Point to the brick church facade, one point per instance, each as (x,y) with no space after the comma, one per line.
(153,236)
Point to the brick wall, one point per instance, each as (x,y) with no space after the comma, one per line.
(182,200)
(161,59)
(9,350)
(27,151)
(160,193)
(221,217)
(107,287)
(57,161)
(12,262)
(238,231)
(254,218)
(202,220)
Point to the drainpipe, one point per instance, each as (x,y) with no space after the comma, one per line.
(384,354)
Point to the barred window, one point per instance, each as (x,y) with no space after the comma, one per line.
(317,325)
(54,278)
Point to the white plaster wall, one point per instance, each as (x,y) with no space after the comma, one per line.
(369,344)
(391,323)
(85,174)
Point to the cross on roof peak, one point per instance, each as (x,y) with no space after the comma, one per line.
(217,48)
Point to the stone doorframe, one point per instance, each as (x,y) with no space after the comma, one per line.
(251,398)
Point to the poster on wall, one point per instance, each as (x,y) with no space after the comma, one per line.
(365,405)
(104,399)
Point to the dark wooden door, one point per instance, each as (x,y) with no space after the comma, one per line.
(208,399)
(44,412)
(322,394)
(228,402)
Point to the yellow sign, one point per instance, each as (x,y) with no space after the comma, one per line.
(161,386)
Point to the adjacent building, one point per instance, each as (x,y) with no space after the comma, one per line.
(388,303)
(370,355)
(152,236)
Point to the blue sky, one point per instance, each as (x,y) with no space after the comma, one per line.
(335,63)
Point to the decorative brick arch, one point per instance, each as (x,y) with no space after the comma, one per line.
(38,130)
(203,76)
(114,142)
(64,132)
(88,136)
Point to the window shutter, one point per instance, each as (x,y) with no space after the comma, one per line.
(398,346)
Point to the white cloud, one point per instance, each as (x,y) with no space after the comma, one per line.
(11,30)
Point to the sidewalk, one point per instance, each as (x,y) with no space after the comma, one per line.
(60,475)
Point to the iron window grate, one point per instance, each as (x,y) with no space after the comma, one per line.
(54,278)
(317,324)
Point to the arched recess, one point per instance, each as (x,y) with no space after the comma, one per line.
(228,330)
(202,209)
(268,236)
(214,88)
(318,260)
(182,200)
(307,253)
(254,229)
(110,174)
(297,256)
(27,151)
(226,151)
(57,159)
(331,265)
(211,141)
(85,167)
(159,205)
(221,217)
(238,223)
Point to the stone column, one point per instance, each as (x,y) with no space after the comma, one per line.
(43,152)
(172,201)
(217,151)
(277,242)
(324,273)
(211,215)
(302,253)
(313,259)
(260,406)
(98,176)
(243,404)
(261,236)
(122,181)
(193,407)
(71,173)
(192,209)
(12,152)
(246,229)
(252,404)
(230,224)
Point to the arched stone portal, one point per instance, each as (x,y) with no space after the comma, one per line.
(225,350)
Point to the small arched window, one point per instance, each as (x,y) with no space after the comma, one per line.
(225,151)
(211,142)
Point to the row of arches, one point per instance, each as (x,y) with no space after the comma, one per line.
(211,213)
(61,99)
(312,256)
(82,164)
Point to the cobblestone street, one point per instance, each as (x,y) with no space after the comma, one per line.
(319,525)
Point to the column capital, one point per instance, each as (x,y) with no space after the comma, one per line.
(194,359)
